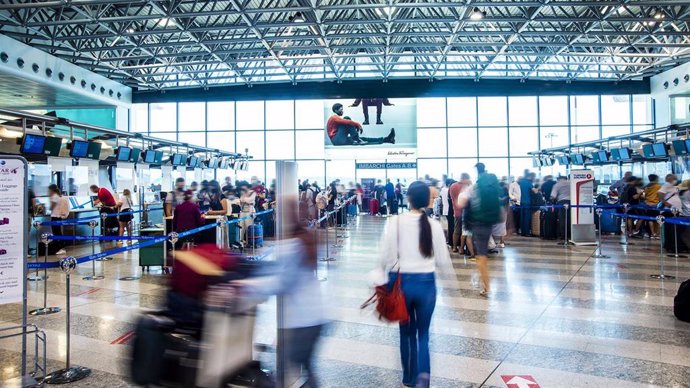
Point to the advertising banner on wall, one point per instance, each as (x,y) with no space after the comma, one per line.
(13,200)
(388,128)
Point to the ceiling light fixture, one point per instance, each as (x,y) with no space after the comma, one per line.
(477,14)
(297,18)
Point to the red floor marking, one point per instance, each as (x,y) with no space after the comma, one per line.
(521,381)
(123,338)
(89,291)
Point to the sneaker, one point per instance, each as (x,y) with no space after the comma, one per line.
(501,245)
(61,252)
(456,250)
(484,293)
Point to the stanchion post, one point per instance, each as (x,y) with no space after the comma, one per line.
(565,242)
(335,230)
(45,310)
(599,254)
(104,216)
(328,256)
(625,241)
(36,277)
(70,373)
(224,241)
(661,220)
(173,237)
(92,225)
(675,236)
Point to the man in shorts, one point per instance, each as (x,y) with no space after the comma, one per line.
(485,211)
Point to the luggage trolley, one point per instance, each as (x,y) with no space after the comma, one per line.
(170,353)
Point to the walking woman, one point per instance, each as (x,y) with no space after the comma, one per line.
(126,205)
(415,245)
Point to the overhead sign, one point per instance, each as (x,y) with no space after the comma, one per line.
(13,212)
(381,166)
(520,381)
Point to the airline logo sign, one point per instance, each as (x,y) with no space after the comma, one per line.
(520,381)
(583,176)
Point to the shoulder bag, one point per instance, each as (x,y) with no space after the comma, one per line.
(390,300)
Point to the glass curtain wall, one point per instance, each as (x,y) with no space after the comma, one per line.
(453,133)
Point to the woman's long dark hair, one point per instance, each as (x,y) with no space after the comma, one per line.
(418,196)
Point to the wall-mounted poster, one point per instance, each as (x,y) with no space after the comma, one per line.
(371,128)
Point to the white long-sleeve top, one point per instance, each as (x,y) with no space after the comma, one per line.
(514,193)
(444,201)
(405,248)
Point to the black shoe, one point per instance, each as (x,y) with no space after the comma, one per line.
(391,137)
(366,122)
(379,122)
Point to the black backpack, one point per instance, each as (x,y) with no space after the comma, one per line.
(681,303)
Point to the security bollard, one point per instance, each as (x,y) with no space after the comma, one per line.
(675,237)
(661,220)
(599,254)
(338,243)
(45,310)
(93,276)
(70,373)
(327,257)
(36,277)
(222,238)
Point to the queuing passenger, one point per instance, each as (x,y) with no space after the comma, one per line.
(560,195)
(416,246)
(59,211)
(125,205)
(668,193)
(398,193)
(526,184)
(31,211)
(651,195)
(391,200)
(485,211)
(228,184)
(360,195)
(187,215)
(217,207)
(195,188)
(514,195)
(547,186)
(446,213)
(633,196)
(175,197)
(202,196)
(618,186)
(454,192)
(247,201)
(433,190)
(72,188)
(684,194)
(107,205)
(500,230)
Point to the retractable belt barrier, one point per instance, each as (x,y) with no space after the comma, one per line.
(150,240)
(85,220)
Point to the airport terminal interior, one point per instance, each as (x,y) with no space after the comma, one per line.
(345,193)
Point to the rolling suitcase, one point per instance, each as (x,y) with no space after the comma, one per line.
(549,225)
(374,206)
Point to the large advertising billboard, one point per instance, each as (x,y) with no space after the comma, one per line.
(371,128)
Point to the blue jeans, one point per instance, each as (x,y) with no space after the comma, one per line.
(420,297)
(347,135)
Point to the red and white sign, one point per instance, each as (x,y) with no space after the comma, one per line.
(521,381)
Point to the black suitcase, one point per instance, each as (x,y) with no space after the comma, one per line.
(681,303)
(670,238)
(549,225)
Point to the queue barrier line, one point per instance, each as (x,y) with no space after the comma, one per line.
(137,245)
(670,220)
(86,220)
(99,238)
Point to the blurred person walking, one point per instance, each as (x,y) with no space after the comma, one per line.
(415,245)
(485,211)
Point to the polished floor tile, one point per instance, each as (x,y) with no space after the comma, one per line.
(555,313)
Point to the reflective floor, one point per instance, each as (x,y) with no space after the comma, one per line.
(555,316)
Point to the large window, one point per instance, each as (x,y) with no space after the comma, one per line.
(453,134)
